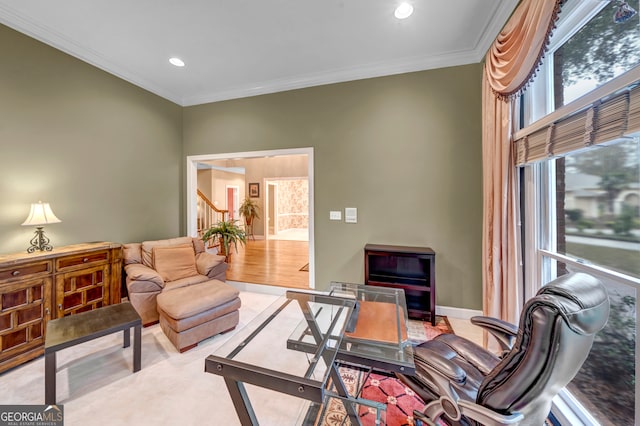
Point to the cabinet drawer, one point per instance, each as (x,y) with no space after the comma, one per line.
(86,259)
(28,270)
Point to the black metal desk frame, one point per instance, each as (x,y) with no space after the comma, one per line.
(237,373)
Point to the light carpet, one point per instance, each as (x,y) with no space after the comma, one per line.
(97,387)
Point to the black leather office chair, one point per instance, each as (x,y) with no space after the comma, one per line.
(462,383)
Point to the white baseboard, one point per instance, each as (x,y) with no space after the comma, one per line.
(461,313)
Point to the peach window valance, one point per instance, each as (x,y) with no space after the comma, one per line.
(514,57)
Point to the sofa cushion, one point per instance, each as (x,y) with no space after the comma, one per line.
(205,262)
(175,262)
(198,246)
(131,253)
(188,301)
(184,282)
(147,248)
(140,273)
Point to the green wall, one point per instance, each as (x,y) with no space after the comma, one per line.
(104,153)
(109,157)
(405,150)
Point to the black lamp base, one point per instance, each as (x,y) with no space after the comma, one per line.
(39,242)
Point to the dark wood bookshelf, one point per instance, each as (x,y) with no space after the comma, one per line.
(412,269)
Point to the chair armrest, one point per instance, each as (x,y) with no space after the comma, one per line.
(206,263)
(141,278)
(486,416)
(504,332)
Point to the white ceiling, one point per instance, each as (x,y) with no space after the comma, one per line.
(242,48)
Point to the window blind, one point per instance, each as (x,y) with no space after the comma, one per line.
(634,111)
(606,119)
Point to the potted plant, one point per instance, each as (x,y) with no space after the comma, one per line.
(250,210)
(226,232)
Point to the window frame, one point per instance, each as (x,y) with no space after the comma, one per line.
(538,224)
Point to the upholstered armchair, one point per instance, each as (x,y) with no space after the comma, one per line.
(152,267)
(462,383)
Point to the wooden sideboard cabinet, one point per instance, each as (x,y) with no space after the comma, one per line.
(412,269)
(37,287)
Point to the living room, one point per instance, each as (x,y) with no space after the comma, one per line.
(110,157)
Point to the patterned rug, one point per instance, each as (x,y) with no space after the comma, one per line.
(398,398)
(421,331)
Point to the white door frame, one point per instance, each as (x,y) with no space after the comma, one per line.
(192,186)
(268,207)
(236,200)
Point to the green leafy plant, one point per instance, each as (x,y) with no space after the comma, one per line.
(624,222)
(574,215)
(225,233)
(250,210)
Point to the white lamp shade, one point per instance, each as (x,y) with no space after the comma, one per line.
(40,214)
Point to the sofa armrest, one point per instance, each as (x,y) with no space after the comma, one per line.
(141,278)
(211,265)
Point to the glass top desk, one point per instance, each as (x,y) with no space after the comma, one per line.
(294,345)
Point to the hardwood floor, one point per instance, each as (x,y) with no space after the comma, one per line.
(271,262)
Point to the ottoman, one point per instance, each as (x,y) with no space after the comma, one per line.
(193,313)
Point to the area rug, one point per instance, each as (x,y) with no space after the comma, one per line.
(305,268)
(421,331)
(398,398)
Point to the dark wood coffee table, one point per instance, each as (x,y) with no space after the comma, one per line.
(72,330)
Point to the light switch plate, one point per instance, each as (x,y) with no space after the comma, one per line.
(335,215)
(351,215)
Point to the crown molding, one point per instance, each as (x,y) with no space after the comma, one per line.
(500,14)
(336,76)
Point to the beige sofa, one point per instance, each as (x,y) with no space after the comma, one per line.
(177,283)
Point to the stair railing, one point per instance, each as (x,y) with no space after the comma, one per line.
(208,214)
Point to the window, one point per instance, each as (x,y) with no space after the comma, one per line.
(581,192)
(597,223)
(599,51)
(599,199)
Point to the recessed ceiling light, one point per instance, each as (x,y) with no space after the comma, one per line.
(403,11)
(177,62)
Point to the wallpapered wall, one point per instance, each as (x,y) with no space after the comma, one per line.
(293,204)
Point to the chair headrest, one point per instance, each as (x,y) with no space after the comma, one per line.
(581,299)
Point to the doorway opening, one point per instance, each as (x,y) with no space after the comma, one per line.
(232,201)
(280,181)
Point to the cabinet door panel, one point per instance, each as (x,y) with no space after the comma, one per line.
(82,290)
(24,310)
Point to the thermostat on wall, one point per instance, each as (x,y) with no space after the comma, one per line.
(351,215)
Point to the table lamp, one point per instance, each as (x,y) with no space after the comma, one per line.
(40,214)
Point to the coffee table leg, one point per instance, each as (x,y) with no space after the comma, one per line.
(50,378)
(127,338)
(137,348)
